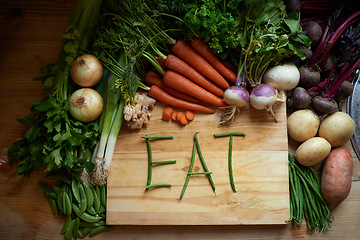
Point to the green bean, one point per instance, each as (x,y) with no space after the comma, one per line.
(200,173)
(76,228)
(103,196)
(157,137)
(164,162)
(64,202)
(83,200)
(96,200)
(229,134)
(69,230)
(66,224)
(89,195)
(149,162)
(230,164)
(75,189)
(86,230)
(67,204)
(53,205)
(92,225)
(189,171)
(99,230)
(85,216)
(203,162)
(51,194)
(46,188)
(92,211)
(157,185)
(80,234)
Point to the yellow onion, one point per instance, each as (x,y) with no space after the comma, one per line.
(86,70)
(86,104)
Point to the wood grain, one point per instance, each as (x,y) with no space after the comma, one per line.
(259,168)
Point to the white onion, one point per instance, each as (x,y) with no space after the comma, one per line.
(86,105)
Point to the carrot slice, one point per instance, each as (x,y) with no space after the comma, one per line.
(190,115)
(167,113)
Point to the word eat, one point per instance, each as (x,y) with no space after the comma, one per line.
(196,148)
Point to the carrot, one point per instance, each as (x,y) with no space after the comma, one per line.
(179,115)
(174,116)
(183,120)
(153,78)
(190,115)
(161,62)
(167,112)
(229,66)
(162,96)
(184,51)
(178,65)
(204,50)
(183,84)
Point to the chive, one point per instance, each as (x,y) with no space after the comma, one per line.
(189,171)
(203,162)
(157,185)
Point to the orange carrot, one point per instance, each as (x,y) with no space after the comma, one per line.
(204,50)
(179,115)
(161,62)
(164,97)
(178,65)
(190,115)
(184,51)
(174,116)
(167,113)
(153,78)
(183,120)
(183,84)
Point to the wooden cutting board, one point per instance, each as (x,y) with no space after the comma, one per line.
(259,168)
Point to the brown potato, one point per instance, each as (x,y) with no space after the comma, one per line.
(336,176)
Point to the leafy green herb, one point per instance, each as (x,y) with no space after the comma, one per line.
(54,139)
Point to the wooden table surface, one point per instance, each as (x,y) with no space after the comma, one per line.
(30,38)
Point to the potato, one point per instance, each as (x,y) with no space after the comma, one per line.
(309,122)
(337,128)
(336,176)
(312,151)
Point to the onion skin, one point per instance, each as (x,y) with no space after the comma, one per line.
(86,70)
(86,105)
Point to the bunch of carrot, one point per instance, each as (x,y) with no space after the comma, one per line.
(193,78)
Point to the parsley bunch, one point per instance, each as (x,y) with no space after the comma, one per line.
(54,139)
